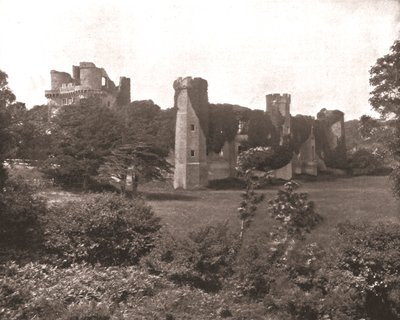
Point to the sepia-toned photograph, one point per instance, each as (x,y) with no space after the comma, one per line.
(200,160)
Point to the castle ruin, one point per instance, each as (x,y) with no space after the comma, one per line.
(195,165)
(87,81)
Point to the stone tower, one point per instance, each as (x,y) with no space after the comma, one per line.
(191,99)
(278,108)
(86,81)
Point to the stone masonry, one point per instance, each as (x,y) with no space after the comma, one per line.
(86,81)
(191,99)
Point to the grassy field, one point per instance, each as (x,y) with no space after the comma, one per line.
(365,198)
(357,199)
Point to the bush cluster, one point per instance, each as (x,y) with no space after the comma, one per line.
(78,292)
(104,228)
(365,162)
(358,278)
(202,259)
(20,212)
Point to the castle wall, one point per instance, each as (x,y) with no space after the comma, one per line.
(306,161)
(191,172)
(76,74)
(59,78)
(124,91)
(91,77)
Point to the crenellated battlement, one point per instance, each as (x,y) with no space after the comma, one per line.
(87,80)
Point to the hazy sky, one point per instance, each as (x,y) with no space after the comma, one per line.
(320,51)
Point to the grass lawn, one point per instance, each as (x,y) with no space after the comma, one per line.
(366,198)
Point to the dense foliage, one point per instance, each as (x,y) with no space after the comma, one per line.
(202,260)
(83,134)
(385,99)
(144,122)
(265,158)
(105,228)
(20,209)
(261,131)
(300,130)
(139,162)
(365,162)
(6,138)
(20,213)
(222,128)
(86,136)
(33,130)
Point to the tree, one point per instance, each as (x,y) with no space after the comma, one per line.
(83,135)
(19,208)
(223,126)
(134,163)
(6,99)
(145,122)
(385,99)
(33,128)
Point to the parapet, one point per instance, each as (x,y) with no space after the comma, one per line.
(277,98)
(189,82)
(87,65)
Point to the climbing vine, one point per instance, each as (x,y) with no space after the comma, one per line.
(336,157)
(223,126)
(197,92)
(300,130)
(261,131)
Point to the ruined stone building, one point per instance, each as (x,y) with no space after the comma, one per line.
(191,168)
(86,81)
(195,165)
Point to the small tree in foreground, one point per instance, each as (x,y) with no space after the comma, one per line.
(248,162)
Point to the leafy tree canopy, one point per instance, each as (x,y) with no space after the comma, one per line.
(83,135)
(6,139)
(223,126)
(139,162)
(385,99)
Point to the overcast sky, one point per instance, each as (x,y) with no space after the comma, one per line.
(320,51)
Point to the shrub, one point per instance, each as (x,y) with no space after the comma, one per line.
(264,257)
(253,270)
(87,311)
(80,292)
(265,158)
(201,260)
(20,211)
(364,162)
(105,228)
(370,254)
(358,278)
